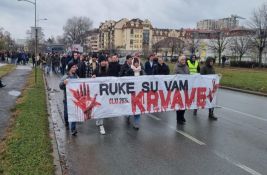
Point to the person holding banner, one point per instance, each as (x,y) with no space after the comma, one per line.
(126,67)
(181,68)
(72,68)
(151,66)
(206,70)
(101,71)
(136,71)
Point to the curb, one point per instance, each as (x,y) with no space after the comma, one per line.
(244,91)
(56,161)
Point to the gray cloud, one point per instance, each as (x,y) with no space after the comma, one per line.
(17,17)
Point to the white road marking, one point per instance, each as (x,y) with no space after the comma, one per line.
(153,116)
(190,137)
(238,164)
(248,115)
(179,131)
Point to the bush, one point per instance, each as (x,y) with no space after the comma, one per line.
(245,64)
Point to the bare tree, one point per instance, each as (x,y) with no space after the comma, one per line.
(193,43)
(76,28)
(6,42)
(218,43)
(259,24)
(176,45)
(240,45)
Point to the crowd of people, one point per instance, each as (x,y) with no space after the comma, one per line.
(83,66)
(76,65)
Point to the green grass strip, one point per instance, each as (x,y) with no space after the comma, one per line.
(4,70)
(27,148)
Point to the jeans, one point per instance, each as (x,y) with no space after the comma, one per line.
(72,124)
(136,119)
(48,69)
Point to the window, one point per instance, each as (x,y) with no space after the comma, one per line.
(132,31)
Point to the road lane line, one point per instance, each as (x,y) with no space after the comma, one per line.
(190,137)
(153,116)
(238,164)
(248,115)
(179,131)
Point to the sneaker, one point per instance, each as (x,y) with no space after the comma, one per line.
(2,85)
(102,130)
(74,132)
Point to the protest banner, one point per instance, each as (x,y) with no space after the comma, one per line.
(104,97)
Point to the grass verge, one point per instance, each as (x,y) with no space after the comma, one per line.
(248,79)
(27,148)
(4,70)
(242,78)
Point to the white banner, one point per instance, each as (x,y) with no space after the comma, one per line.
(105,97)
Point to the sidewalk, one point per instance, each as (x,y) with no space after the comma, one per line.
(55,101)
(15,82)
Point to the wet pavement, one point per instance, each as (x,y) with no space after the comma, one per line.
(15,81)
(236,144)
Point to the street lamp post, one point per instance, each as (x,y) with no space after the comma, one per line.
(35,29)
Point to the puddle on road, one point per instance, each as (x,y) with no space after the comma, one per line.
(14,93)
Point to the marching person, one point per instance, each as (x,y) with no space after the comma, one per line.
(81,72)
(126,67)
(72,68)
(114,66)
(163,69)
(136,70)
(194,68)
(181,68)
(101,71)
(206,70)
(151,66)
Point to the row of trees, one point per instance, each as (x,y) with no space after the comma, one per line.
(252,39)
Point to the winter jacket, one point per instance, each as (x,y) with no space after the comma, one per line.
(101,71)
(151,70)
(163,69)
(81,72)
(207,69)
(181,69)
(126,70)
(114,69)
(62,86)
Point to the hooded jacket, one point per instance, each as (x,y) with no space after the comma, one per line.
(207,69)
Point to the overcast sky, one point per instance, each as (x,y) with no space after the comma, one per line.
(16,17)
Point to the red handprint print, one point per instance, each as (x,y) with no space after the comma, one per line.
(213,90)
(84,101)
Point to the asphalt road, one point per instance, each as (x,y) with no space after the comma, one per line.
(236,144)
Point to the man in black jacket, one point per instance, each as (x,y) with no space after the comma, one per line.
(163,69)
(206,70)
(81,72)
(126,67)
(151,66)
(114,66)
